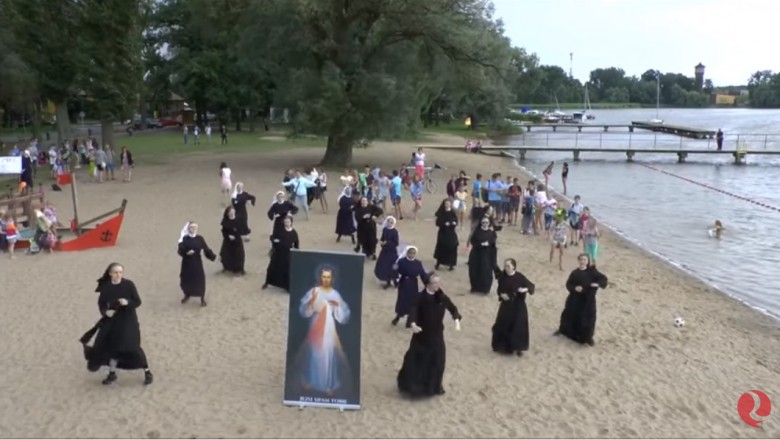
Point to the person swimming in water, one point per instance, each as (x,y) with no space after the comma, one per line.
(717,230)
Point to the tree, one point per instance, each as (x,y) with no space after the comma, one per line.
(48,38)
(113,72)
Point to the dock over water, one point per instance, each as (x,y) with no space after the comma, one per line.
(739,155)
(678,130)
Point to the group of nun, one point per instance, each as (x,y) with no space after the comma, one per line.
(117,334)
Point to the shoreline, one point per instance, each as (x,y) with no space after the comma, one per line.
(639,246)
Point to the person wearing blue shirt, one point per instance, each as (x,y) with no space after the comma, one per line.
(300,186)
(416,191)
(396,188)
(494,189)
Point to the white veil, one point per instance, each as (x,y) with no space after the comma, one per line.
(235,189)
(387,220)
(405,251)
(185,231)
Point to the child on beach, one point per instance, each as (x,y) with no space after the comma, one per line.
(396,189)
(476,190)
(590,239)
(460,203)
(560,230)
(550,207)
(514,193)
(575,212)
(11,234)
(225,183)
(528,212)
(416,191)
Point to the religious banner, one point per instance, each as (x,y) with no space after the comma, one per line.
(323,336)
(10,165)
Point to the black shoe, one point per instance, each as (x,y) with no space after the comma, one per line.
(111,378)
(452,268)
(395,320)
(373,257)
(557,333)
(203,303)
(386,286)
(436,267)
(440,392)
(148,377)
(265,286)
(519,354)
(353,239)
(408,324)
(357,249)
(590,342)
(338,239)
(185,299)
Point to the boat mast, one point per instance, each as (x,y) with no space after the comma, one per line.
(657,92)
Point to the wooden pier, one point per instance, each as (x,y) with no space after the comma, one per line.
(578,126)
(678,130)
(739,155)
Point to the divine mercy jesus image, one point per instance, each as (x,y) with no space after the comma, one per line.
(322,368)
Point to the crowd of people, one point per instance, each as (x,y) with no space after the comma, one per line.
(421,302)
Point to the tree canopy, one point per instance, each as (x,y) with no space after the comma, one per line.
(347,70)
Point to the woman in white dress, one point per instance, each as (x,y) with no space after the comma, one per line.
(225,183)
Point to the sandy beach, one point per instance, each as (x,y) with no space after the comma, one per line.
(219,370)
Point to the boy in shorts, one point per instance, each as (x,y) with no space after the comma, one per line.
(560,235)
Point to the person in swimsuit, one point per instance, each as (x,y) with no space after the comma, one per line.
(565,175)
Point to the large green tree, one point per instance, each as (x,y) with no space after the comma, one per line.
(113,72)
(48,36)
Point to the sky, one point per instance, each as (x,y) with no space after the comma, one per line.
(732,38)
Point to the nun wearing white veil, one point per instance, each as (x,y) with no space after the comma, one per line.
(192,278)
(409,270)
(345,218)
(239,199)
(388,255)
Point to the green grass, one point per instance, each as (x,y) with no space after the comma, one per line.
(161,147)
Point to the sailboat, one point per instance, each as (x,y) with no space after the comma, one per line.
(657,120)
(557,115)
(583,116)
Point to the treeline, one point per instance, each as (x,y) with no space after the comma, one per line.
(764,89)
(347,70)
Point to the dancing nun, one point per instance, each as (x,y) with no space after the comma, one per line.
(510,331)
(409,268)
(365,219)
(239,199)
(423,368)
(278,272)
(280,208)
(482,258)
(578,320)
(231,254)
(345,220)
(446,251)
(385,264)
(118,340)
(192,278)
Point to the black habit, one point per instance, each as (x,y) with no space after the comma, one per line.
(232,251)
(192,278)
(365,217)
(482,260)
(510,331)
(423,367)
(578,320)
(239,204)
(278,273)
(118,337)
(345,220)
(277,213)
(446,251)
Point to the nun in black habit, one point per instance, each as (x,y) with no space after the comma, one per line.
(118,340)
(422,372)
(345,220)
(385,265)
(192,278)
(510,331)
(278,272)
(232,251)
(578,320)
(409,270)
(365,219)
(280,208)
(482,258)
(446,251)
(239,199)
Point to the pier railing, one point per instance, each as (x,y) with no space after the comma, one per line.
(642,141)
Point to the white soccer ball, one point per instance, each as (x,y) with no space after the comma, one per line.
(679,321)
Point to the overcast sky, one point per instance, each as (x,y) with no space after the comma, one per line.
(732,38)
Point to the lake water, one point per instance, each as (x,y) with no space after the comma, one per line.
(670,216)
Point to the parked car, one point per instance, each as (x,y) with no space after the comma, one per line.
(150,123)
(168,122)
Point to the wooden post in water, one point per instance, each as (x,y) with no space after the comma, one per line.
(75,203)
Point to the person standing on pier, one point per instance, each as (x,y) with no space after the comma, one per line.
(719,139)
